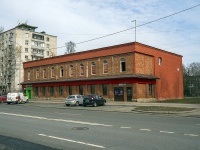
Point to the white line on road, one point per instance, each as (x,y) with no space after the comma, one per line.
(59,120)
(67,113)
(125,127)
(68,140)
(145,129)
(166,132)
(191,135)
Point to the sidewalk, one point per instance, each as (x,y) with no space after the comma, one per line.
(124,107)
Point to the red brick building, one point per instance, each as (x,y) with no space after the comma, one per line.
(125,72)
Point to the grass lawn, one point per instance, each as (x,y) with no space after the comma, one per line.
(186,100)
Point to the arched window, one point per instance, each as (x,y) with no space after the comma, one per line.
(93,68)
(29,75)
(71,71)
(52,72)
(44,73)
(61,71)
(105,67)
(37,74)
(81,70)
(122,65)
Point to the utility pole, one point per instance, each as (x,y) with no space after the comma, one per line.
(135,28)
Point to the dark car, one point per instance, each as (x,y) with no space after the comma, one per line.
(93,100)
(3,98)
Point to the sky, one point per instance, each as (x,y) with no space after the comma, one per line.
(82,20)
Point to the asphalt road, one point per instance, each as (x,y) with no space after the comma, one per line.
(72,129)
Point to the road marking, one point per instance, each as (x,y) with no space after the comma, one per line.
(68,140)
(191,134)
(125,127)
(59,120)
(166,132)
(145,129)
(67,113)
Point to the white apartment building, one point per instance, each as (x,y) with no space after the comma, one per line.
(19,45)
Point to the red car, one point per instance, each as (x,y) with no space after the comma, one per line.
(3,98)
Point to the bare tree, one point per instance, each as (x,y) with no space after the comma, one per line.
(8,64)
(70,47)
(191,77)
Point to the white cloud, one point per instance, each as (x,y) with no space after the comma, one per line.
(82,20)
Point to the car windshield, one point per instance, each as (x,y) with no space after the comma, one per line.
(70,97)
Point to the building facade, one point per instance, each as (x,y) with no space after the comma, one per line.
(126,72)
(18,45)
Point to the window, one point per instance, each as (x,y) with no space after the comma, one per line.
(26,50)
(47,53)
(44,74)
(43,91)
(37,74)
(29,75)
(70,90)
(150,89)
(26,57)
(52,72)
(26,42)
(36,91)
(51,90)
(27,35)
(80,89)
(105,67)
(71,71)
(48,45)
(104,89)
(61,71)
(159,61)
(122,65)
(81,70)
(92,89)
(60,90)
(93,68)
(48,39)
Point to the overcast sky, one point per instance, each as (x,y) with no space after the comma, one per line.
(82,20)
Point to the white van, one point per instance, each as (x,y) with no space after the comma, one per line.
(16,98)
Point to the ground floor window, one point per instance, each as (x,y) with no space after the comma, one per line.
(92,89)
(51,90)
(80,89)
(36,91)
(70,90)
(43,91)
(104,89)
(60,90)
(150,89)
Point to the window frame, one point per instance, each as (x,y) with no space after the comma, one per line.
(93,68)
(105,67)
(122,65)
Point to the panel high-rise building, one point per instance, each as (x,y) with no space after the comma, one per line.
(18,45)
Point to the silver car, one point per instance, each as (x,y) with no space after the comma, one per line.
(74,100)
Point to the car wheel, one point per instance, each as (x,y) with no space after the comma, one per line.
(67,104)
(17,102)
(95,104)
(84,105)
(77,103)
(8,102)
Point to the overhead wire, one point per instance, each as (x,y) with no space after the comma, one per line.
(135,26)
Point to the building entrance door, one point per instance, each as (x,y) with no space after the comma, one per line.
(119,93)
(129,93)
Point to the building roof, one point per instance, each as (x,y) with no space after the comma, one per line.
(24,25)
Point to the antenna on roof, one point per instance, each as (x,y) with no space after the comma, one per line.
(19,22)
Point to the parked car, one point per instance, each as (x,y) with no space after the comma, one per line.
(94,100)
(16,98)
(3,98)
(74,100)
